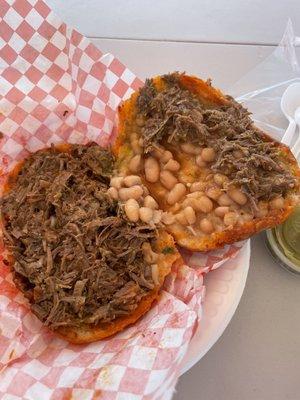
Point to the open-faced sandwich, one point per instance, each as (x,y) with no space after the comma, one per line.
(86,231)
(87,271)
(213,177)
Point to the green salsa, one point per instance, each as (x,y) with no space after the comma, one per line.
(168,250)
(288,236)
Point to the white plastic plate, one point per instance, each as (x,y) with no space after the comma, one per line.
(224,289)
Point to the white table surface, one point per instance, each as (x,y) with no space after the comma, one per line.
(222,21)
(258,356)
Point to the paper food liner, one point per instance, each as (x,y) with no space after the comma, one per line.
(55,87)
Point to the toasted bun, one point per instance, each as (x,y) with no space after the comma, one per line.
(88,333)
(207,95)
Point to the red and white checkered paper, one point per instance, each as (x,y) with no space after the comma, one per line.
(55,86)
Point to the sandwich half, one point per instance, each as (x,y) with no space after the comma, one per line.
(216,177)
(87,271)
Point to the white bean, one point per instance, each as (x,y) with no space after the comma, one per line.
(176,207)
(224,200)
(134,141)
(238,196)
(263,209)
(166,156)
(189,148)
(208,154)
(157,214)
(204,204)
(134,192)
(113,193)
(176,193)
(168,218)
(116,182)
(132,210)
(146,247)
(131,180)
(135,164)
(149,255)
(217,221)
(157,152)
(206,226)
(277,203)
(155,274)
(146,214)
(200,162)
(221,211)
(230,218)
(190,215)
(195,195)
(181,218)
(262,212)
(150,203)
(172,165)
(167,179)
(220,179)
(197,186)
(188,201)
(245,217)
(151,170)
(214,192)
(194,203)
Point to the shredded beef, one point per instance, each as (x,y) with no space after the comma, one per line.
(175,115)
(76,257)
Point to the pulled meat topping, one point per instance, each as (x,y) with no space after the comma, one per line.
(175,115)
(75,256)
